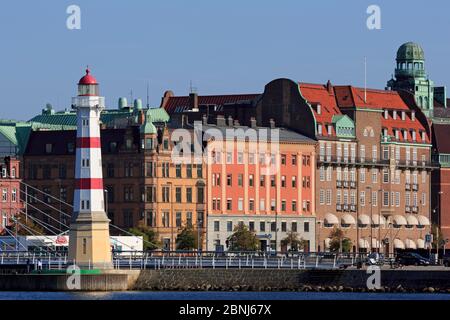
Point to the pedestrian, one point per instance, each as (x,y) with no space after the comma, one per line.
(39,265)
(28,265)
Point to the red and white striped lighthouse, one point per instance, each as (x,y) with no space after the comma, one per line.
(89,243)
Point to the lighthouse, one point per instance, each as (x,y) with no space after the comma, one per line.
(89,242)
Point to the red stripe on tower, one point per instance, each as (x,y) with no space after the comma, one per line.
(88,142)
(89,183)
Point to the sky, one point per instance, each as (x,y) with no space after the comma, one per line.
(221,47)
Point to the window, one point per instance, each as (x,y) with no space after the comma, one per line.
(128,169)
(273,227)
(328,197)
(240,180)
(283,181)
(189,194)
(262,181)
(294,160)
(110,170)
(178,170)
(240,158)
(4,194)
(385,198)
(216,226)
(199,171)
(251,226)
(229,180)
(294,182)
(294,226)
(165,220)
(322,196)
(362,175)
(306,226)
(178,194)
(362,198)
(272,181)
(283,159)
(374,198)
(229,204)
(374,175)
(424,198)
(166,144)
(283,205)
(272,205)
(250,180)
(385,175)
(200,195)
(283,226)
(240,204)
(165,194)
(128,193)
(150,218)
(230,226)
(189,170)
(150,193)
(178,219)
(251,205)
(229,157)
(62,171)
(294,205)
(262,226)
(262,204)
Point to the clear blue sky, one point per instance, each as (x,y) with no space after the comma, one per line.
(232,46)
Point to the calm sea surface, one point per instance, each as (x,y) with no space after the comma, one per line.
(160,295)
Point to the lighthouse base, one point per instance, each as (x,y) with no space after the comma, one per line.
(89,241)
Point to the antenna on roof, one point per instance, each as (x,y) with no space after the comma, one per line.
(365,80)
(191,88)
(148,103)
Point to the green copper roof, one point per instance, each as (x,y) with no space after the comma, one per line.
(148,127)
(68,119)
(410,51)
(17,133)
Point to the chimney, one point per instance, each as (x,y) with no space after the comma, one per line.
(221,121)
(272,123)
(205,119)
(193,101)
(230,121)
(253,122)
(329,87)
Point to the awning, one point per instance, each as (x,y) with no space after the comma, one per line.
(363,243)
(423,221)
(363,219)
(399,220)
(348,219)
(327,243)
(420,244)
(398,244)
(410,244)
(381,221)
(331,219)
(412,220)
(375,243)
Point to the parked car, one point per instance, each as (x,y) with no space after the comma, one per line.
(446,259)
(411,258)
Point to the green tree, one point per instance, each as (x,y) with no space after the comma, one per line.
(293,241)
(339,239)
(187,239)
(243,239)
(25,227)
(150,236)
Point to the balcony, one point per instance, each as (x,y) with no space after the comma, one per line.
(338,207)
(415,187)
(352,161)
(339,183)
(345,183)
(415,209)
(353,184)
(346,207)
(353,208)
(407,186)
(408,209)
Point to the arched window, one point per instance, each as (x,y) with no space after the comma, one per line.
(13,172)
(425,101)
(420,102)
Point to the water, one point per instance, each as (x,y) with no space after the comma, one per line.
(211,295)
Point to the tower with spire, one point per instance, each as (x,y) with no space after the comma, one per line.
(89,242)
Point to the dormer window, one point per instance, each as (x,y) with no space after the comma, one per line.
(413,116)
(405,135)
(386,114)
(413,134)
(319,129)
(319,111)
(394,115)
(424,137)
(330,130)
(385,132)
(396,133)
(403,115)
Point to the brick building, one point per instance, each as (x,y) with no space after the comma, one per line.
(11,204)
(269,188)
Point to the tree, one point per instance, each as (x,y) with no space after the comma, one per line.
(24,227)
(243,239)
(150,237)
(293,241)
(339,241)
(187,239)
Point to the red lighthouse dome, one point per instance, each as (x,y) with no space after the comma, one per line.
(88,85)
(88,79)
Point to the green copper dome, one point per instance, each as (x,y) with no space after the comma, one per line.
(410,51)
(148,127)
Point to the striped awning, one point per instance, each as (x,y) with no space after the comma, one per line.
(331,219)
(423,221)
(412,220)
(420,244)
(363,219)
(378,219)
(398,244)
(410,244)
(348,219)
(363,243)
(399,220)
